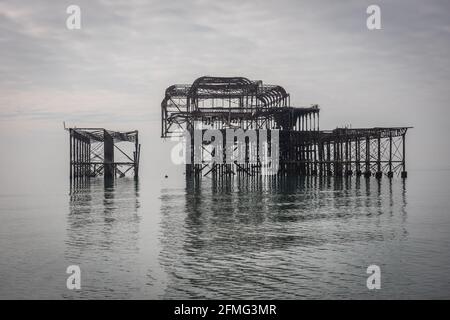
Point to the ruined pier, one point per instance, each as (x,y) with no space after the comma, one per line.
(220,103)
(92,153)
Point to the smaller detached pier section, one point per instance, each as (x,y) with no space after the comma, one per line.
(92,153)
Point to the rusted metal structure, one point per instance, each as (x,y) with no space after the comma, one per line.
(238,103)
(92,153)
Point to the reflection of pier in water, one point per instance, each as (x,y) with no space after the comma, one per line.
(102,235)
(261,238)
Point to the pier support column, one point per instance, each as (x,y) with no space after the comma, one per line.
(379,173)
(390,174)
(348,156)
(367,173)
(404,174)
(108,155)
(321,167)
(315,147)
(358,157)
(329,173)
(338,159)
(71,149)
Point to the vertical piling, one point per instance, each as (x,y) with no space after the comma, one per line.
(404,174)
(379,173)
(390,173)
(367,173)
(109,170)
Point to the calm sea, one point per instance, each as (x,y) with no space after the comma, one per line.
(285,238)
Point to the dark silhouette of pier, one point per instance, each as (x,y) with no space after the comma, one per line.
(92,153)
(221,103)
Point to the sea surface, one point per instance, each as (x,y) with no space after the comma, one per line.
(284,238)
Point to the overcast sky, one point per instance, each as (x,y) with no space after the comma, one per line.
(113,72)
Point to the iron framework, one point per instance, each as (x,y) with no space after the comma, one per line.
(239,103)
(92,153)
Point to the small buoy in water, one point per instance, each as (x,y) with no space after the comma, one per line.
(166,176)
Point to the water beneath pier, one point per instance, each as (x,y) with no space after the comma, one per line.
(245,238)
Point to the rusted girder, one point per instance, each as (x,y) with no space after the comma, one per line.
(221,103)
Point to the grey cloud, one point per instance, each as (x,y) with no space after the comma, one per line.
(320,51)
